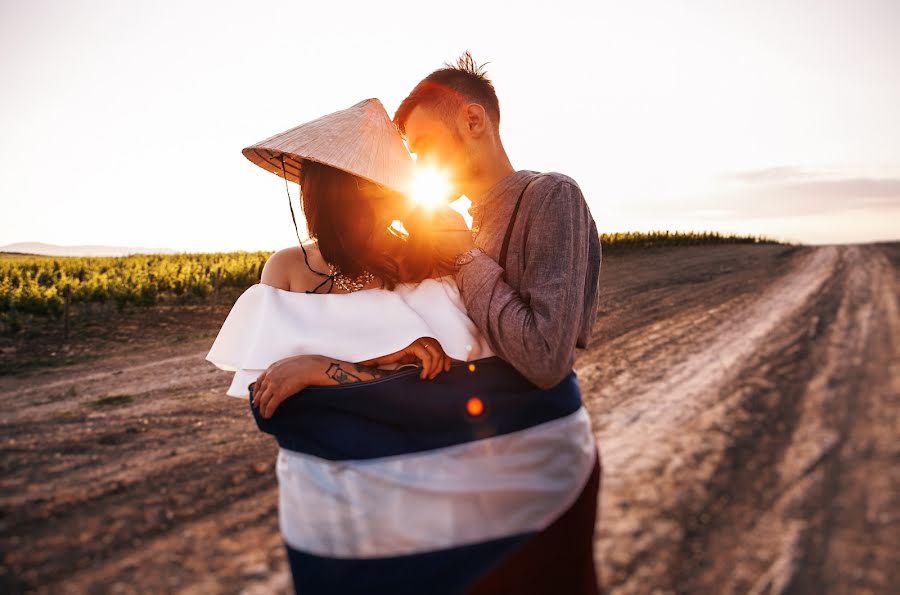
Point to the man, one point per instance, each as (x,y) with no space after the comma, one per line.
(545,306)
(529,280)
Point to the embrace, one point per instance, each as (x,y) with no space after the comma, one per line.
(416,373)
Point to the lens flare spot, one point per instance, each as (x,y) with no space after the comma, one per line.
(461,205)
(398,230)
(474,406)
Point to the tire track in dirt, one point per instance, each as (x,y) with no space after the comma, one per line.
(840,501)
(658,445)
(715,474)
(663,407)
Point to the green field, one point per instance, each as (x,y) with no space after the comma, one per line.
(41,285)
(45,286)
(641,239)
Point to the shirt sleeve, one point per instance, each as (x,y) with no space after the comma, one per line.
(536,335)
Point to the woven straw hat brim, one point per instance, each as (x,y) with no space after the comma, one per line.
(360,140)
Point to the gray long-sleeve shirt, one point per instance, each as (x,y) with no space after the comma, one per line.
(548,304)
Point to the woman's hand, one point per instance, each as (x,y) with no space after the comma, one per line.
(290,375)
(426,350)
(282,379)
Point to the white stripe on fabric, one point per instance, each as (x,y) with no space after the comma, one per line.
(464,494)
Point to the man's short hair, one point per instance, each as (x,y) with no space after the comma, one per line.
(444,90)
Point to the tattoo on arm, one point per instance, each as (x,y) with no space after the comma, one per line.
(337,372)
(340,375)
(373,372)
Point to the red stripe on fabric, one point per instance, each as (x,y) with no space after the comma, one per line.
(559,559)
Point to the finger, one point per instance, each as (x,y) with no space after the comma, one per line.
(264,396)
(437,363)
(443,361)
(434,359)
(434,347)
(257,389)
(421,355)
(258,401)
(258,385)
(424,356)
(272,404)
(440,365)
(265,386)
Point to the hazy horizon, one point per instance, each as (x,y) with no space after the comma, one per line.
(95,250)
(123,123)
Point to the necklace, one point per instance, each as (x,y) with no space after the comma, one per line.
(349,284)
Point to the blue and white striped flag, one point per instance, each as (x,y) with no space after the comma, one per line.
(401,485)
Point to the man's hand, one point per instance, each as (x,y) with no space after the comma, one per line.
(426,350)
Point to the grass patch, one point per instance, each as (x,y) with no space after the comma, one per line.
(36,291)
(636,240)
(113,401)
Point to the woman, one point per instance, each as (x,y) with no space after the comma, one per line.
(450,480)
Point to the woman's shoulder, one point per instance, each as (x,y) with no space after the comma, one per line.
(287,268)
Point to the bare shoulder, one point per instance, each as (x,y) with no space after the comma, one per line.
(276,271)
(286,269)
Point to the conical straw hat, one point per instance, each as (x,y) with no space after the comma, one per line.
(360,140)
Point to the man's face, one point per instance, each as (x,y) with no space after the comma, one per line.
(437,142)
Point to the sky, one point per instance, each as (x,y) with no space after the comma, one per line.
(122,123)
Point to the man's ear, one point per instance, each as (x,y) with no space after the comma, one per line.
(475,119)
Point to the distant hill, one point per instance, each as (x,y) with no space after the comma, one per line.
(55,250)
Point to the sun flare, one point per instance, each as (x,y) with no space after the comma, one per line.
(398,229)
(430,187)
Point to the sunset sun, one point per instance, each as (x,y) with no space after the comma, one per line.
(430,187)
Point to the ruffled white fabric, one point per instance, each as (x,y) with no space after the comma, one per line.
(267,324)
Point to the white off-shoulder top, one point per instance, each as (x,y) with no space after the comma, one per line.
(267,324)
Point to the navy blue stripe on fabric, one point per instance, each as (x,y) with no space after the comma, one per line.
(443,572)
(402,414)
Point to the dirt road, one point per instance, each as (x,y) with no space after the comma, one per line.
(745,400)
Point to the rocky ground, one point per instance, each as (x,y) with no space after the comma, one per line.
(745,400)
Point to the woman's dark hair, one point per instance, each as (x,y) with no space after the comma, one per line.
(340,215)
